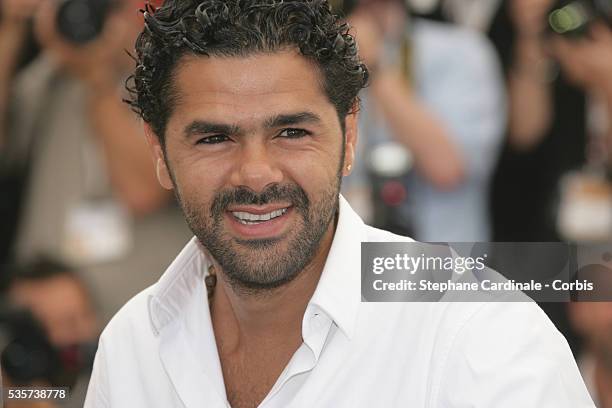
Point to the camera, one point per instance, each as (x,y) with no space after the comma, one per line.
(81,21)
(27,356)
(575,18)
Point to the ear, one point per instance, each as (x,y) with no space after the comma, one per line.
(163,174)
(351,135)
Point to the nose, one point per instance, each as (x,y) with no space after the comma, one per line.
(257,168)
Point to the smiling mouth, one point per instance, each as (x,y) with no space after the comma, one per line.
(247,218)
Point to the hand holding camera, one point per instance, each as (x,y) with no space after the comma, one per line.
(587,61)
(583,42)
(94,53)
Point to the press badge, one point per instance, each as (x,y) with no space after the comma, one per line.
(97,231)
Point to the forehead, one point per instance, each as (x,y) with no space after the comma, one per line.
(30,293)
(248,88)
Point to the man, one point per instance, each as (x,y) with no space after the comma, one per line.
(59,300)
(438,92)
(250,110)
(91,196)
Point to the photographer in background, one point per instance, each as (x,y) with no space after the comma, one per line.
(559,114)
(436,89)
(92,199)
(559,88)
(553,122)
(50,317)
(27,357)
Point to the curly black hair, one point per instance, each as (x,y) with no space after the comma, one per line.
(239,28)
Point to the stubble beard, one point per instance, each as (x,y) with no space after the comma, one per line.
(254,267)
(259,265)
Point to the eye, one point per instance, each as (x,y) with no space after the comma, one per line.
(294,133)
(214,139)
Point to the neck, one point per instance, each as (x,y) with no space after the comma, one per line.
(275,316)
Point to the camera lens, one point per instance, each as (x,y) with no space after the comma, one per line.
(80,21)
(570,18)
(575,18)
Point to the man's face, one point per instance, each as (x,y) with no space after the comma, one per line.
(254,151)
(61,305)
(594,321)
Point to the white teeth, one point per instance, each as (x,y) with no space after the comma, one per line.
(248,218)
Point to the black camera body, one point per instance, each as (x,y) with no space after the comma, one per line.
(81,21)
(575,18)
(26,355)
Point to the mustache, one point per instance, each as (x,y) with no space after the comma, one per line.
(291,193)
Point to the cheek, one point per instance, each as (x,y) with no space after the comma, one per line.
(197,189)
(197,179)
(316,177)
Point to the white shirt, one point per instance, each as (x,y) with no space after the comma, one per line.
(159,350)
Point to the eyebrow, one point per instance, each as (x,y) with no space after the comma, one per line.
(292,119)
(200,127)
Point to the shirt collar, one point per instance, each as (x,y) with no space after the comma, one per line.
(177,286)
(338,293)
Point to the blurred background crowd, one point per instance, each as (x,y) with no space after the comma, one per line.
(485,120)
